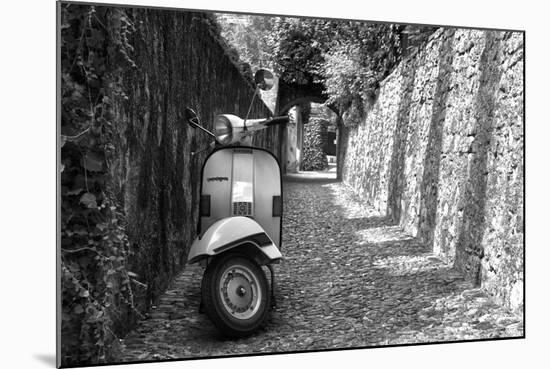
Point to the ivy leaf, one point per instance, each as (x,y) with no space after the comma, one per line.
(84,293)
(88,200)
(95,317)
(78,309)
(92,162)
(84,261)
(75,191)
(80,232)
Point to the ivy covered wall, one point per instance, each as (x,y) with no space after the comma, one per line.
(129,184)
(314,157)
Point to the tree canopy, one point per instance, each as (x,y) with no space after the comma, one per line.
(350,58)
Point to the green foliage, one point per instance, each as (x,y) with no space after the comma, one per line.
(350,58)
(356,64)
(247,35)
(298,46)
(313,156)
(301,46)
(95,282)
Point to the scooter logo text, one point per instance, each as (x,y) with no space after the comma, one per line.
(220,179)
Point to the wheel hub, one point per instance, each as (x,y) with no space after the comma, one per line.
(239,292)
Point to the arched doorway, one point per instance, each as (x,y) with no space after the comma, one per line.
(310,138)
(292,97)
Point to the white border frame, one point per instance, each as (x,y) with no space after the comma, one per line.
(29,167)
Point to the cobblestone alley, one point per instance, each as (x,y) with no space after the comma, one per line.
(348,279)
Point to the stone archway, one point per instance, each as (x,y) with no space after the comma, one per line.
(301,100)
(291,94)
(294,95)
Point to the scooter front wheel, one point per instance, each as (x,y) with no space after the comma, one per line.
(235,294)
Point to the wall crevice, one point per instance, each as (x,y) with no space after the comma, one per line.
(432,160)
(469,248)
(397,178)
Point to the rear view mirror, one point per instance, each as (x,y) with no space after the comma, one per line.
(264,79)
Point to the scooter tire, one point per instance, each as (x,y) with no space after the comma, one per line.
(234,315)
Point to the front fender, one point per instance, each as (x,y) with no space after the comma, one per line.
(229,233)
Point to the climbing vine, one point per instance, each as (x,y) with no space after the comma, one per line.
(96,283)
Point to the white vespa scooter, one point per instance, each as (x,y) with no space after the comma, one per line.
(240,222)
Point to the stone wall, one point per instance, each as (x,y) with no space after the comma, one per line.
(293,140)
(292,151)
(441,153)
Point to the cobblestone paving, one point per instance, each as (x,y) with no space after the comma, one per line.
(348,279)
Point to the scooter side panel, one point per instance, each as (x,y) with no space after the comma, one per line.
(267,184)
(216,182)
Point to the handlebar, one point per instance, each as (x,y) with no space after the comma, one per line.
(276,120)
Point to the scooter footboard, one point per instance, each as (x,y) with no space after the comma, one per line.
(231,233)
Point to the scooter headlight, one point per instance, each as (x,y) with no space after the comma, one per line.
(223,129)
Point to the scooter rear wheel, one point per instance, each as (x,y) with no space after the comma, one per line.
(235,294)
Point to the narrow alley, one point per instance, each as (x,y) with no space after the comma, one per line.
(349,278)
